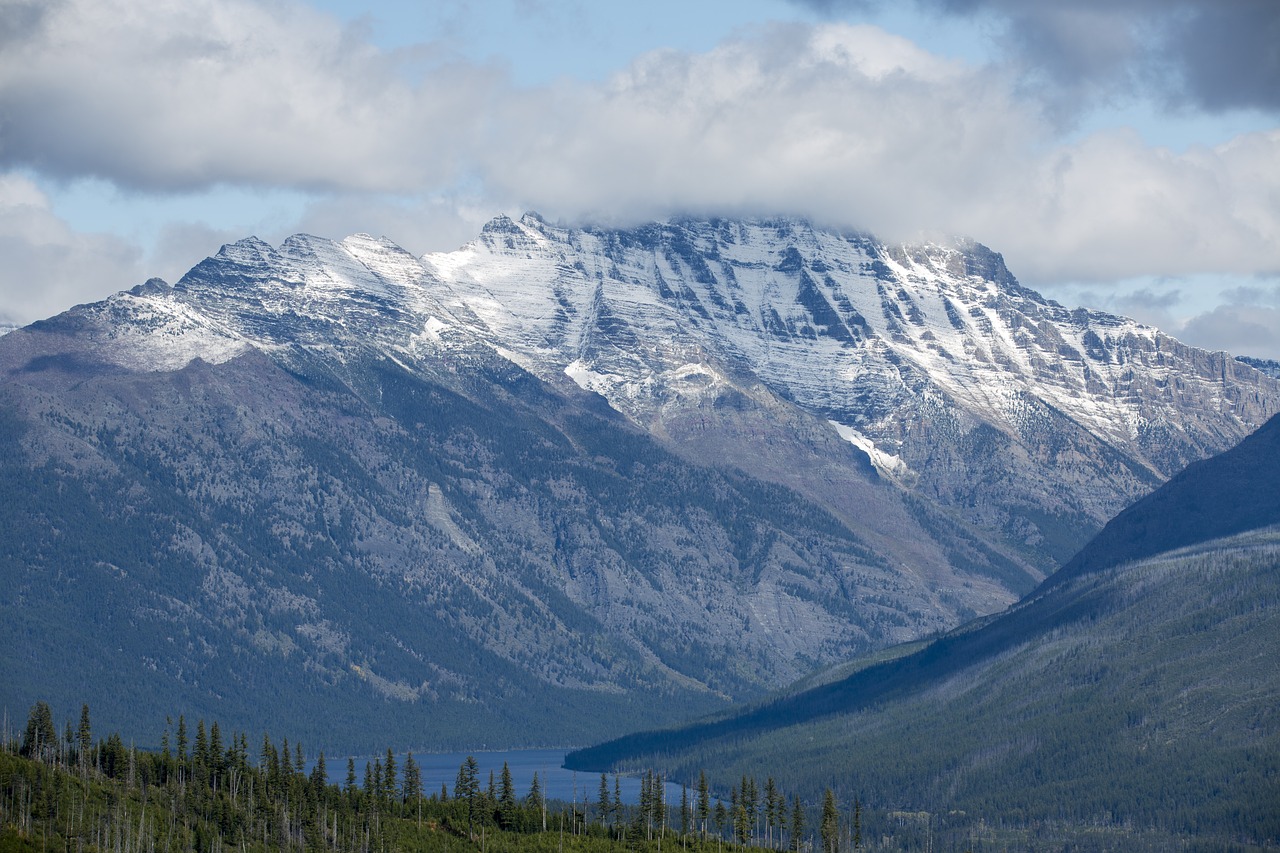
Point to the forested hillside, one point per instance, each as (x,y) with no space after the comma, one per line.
(1137,694)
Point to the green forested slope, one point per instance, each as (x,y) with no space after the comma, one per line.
(1141,698)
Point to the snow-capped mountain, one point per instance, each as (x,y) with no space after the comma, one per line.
(958,383)
(633,472)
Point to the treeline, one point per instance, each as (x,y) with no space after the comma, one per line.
(204,790)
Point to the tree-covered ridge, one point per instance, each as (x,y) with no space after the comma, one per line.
(1131,700)
(206,791)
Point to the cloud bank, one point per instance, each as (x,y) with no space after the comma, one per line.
(846,125)
(1209,55)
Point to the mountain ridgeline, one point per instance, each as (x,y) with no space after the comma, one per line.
(561,483)
(1135,688)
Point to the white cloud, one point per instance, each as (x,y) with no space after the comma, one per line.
(48,267)
(847,125)
(1111,207)
(181,94)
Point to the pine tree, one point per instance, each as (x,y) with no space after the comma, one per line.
(797,825)
(507,799)
(200,760)
(686,811)
(412,780)
(182,741)
(40,740)
(617,801)
(606,806)
(467,788)
(216,762)
(770,808)
(85,736)
(857,824)
(202,745)
(534,797)
(704,802)
(830,828)
(390,791)
(320,776)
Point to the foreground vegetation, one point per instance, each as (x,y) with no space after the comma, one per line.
(68,792)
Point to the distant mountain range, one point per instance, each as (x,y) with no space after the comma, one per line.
(561,483)
(1132,697)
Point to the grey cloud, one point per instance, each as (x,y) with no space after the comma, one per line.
(1252,330)
(47,266)
(1210,54)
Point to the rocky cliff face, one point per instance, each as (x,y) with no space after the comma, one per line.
(1031,421)
(560,483)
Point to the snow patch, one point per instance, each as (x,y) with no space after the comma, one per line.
(886,463)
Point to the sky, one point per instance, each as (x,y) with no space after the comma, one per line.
(1121,154)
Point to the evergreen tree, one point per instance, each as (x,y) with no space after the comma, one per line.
(534,797)
(829,830)
(738,811)
(467,788)
(770,808)
(704,802)
(200,759)
(40,740)
(85,735)
(507,799)
(721,817)
(606,806)
(797,825)
(659,802)
(412,780)
(686,811)
(182,741)
(202,745)
(216,762)
(390,790)
(320,776)
(857,824)
(351,775)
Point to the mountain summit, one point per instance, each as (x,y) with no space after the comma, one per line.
(628,473)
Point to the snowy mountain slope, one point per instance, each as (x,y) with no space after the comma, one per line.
(955,381)
(346,476)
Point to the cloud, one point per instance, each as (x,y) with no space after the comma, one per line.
(849,125)
(1207,54)
(1239,328)
(846,125)
(1112,207)
(182,94)
(47,266)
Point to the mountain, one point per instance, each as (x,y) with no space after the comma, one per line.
(561,483)
(1131,699)
(1029,422)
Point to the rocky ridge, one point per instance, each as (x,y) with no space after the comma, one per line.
(633,472)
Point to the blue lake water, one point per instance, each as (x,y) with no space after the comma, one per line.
(557,783)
